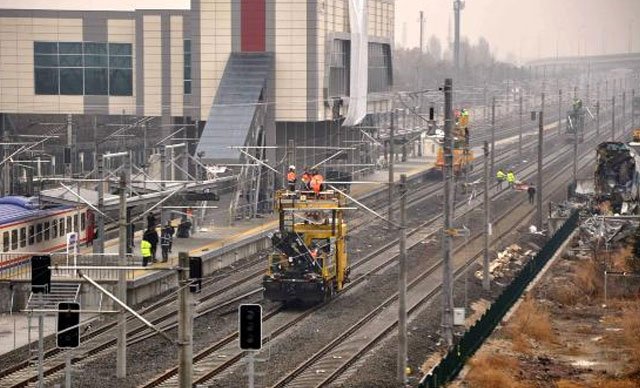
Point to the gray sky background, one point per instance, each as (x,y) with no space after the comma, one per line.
(524,28)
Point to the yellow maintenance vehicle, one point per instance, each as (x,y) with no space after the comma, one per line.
(462,154)
(309,260)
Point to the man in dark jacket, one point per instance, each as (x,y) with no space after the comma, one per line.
(532,193)
(152,236)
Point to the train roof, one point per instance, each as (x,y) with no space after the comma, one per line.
(16,208)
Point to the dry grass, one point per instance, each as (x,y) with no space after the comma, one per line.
(489,371)
(565,294)
(562,383)
(532,321)
(631,333)
(620,258)
(617,383)
(589,278)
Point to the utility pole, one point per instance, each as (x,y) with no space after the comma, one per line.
(559,112)
(598,117)
(613,118)
(540,155)
(98,245)
(520,127)
(486,284)
(121,354)
(493,134)
(421,32)
(633,108)
(447,275)
(624,111)
(458,6)
(402,286)
(575,157)
(70,146)
(6,169)
(185,321)
(391,162)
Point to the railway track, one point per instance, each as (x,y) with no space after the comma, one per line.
(209,364)
(25,374)
(335,358)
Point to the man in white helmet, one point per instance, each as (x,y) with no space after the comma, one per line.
(291,178)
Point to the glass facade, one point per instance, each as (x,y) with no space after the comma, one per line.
(380,69)
(187,66)
(339,68)
(83,68)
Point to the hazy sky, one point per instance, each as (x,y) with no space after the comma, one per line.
(525,28)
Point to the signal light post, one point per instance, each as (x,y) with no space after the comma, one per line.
(250,335)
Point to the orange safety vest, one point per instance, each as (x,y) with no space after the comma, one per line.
(291,176)
(316,183)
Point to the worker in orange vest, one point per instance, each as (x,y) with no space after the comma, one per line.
(317,181)
(291,178)
(306,178)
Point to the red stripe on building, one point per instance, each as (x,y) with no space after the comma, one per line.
(253,25)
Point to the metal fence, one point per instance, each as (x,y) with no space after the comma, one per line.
(455,359)
(17,266)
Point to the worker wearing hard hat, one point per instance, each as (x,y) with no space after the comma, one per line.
(317,181)
(306,178)
(291,178)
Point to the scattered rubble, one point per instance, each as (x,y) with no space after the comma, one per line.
(508,261)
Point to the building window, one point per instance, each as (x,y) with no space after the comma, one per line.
(83,68)
(5,242)
(23,237)
(187,66)
(32,234)
(38,233)
(339,68)
(380,70)
(14,239)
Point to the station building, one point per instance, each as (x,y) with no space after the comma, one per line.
(244,71)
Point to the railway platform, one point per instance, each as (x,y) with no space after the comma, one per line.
(219,243)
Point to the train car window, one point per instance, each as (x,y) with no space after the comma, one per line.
(47,231)
(54,229)
(14,239)
(32,234)
(75,222)
(38,233)
(23,237)
(69,227)
(5,242)
(83,221)
(62,227)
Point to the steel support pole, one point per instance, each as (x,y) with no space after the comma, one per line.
(624,111)
(598,117)
(613,118)
(457,5)
(633,109)
(447,275)
(402,285)
(559,112)
(391,163)
(40,347)
(486,284)
(520,128)
(121,353)
(575,158)
(493,135)
(98,244)
(540,156)
(251,373)
(185,323)
(67,370)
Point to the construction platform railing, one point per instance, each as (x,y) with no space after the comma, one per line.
(455,359)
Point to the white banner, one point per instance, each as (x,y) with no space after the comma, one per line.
(359,72)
